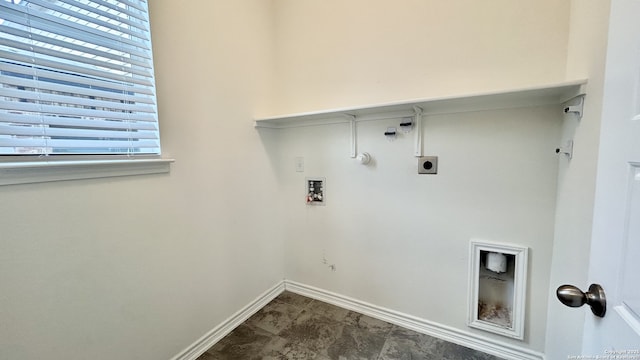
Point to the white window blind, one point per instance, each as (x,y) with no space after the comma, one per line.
(76,77)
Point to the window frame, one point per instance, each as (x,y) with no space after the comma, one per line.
(37,168)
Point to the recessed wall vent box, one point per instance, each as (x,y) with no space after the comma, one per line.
(497,284)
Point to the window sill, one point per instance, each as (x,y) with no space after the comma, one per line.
(30,172)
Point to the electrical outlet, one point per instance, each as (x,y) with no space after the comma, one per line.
(428,165)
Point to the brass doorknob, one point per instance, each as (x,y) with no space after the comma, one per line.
(574,297)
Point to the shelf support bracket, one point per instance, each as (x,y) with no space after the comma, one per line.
(578,108)
(354,141)
(418,124)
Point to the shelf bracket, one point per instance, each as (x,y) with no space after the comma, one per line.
(354,141)
(566,150)
(577,108)
(418,124)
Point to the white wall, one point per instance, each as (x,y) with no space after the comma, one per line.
(400,240)
(576,181)
(343,53)
(141,267)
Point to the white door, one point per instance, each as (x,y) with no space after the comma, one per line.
(615,247)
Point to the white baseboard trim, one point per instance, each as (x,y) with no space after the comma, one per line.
(457,336)
(484,344)
(216,334)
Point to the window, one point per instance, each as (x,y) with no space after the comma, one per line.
(76,78)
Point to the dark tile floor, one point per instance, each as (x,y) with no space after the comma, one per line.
(296,327)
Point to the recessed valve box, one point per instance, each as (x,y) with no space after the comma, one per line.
(497,288)
(315,189)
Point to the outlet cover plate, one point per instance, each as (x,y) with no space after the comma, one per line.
(428,165)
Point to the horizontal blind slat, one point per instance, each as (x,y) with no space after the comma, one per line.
(70,144)
(43,25)
(88,19)
(72,46)
(45,75)
(36,119)
(74,133)
(139,24)
(77,60)
(79,31)
(34,96)
(140,5)
(72,111)
(26,59)
(140,13)
(54,87)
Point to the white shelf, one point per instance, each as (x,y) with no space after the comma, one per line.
(515,98)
